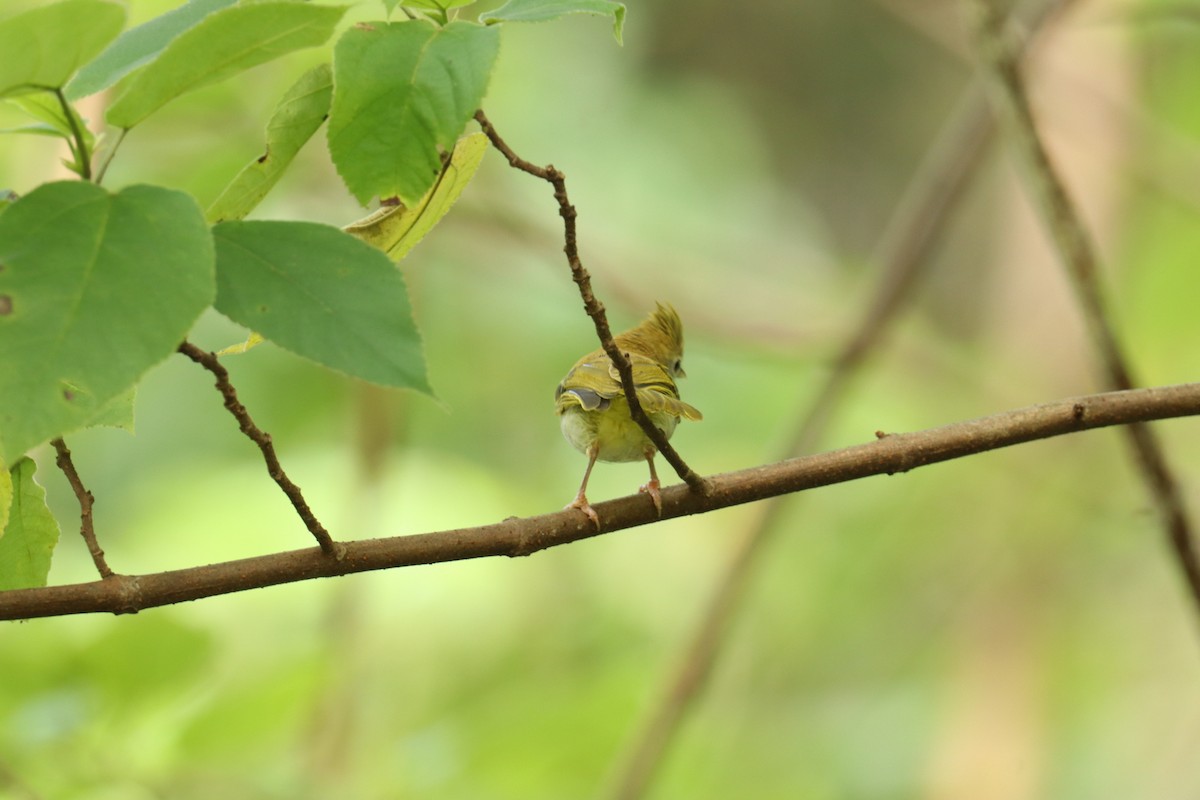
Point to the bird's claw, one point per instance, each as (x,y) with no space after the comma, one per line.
(651,489)
(581,503)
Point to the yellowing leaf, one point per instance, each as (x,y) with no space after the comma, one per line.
(253,340)
(396,229)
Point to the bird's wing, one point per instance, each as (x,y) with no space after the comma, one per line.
(656,389)
(589,385)
(594,382)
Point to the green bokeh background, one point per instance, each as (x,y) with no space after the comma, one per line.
(1005,626)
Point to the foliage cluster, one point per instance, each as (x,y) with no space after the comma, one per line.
(98,286)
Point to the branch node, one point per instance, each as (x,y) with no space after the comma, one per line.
(523,545)
(128,599)
(702,487)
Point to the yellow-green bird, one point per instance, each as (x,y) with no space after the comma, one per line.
(595,413)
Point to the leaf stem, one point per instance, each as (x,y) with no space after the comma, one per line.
(80,146)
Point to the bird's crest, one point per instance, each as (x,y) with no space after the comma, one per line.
(662,329)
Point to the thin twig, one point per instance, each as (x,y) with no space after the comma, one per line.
(86,500)
(889,455)
(210,362)
(594,308)
(1078,256)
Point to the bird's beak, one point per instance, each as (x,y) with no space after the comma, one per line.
(679,373)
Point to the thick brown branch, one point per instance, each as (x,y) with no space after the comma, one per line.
(86,500)
(1078,255)
(521,537)
(210,362)
(594,308)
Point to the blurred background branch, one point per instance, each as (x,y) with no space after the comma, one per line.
(903,256)
(1078,255)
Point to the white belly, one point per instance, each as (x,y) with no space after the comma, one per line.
(620,438)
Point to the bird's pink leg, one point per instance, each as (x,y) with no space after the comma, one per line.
(651,488)
(581,501)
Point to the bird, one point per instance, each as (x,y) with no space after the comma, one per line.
(594,411)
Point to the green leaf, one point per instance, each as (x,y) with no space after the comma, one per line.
(403,93)
(322,294)
(543,10)
(396,229)
(43,47)
(435,5)
(116,413)
(34,129)
(95,288)
(137,46)
(28,540)
(45,107)
(300,112)
(223,44)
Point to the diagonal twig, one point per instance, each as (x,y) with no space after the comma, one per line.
(594,308)
(210,362)
(86,500)
(1078,255)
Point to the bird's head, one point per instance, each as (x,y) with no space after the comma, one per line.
(660,337)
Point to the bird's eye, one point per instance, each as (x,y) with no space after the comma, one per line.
(678,366)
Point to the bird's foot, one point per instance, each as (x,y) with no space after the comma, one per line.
(651,489)
(581,502)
